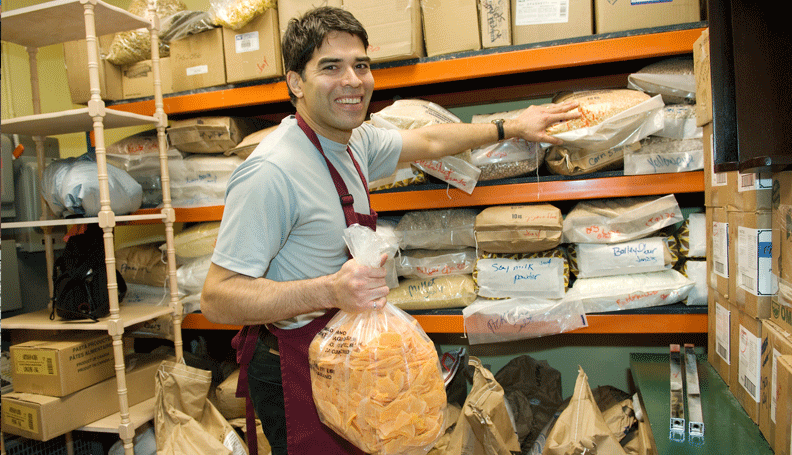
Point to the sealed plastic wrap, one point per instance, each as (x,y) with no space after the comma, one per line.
(183,24)
(424,264)
(620,219)
(543,274)
(135,45)
(407,114)
(637,290)
(70,186)
(662,155)
(696,270)
(650,254)
(235,14)
(673,78)
(191,275)
(611,122)
(375,375)
(202,180)
(679,122)
(452,291)
(493,321)
(508,158)
(440,229)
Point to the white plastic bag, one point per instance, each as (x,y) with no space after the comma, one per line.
(375,375)
(492,321)
(71,187)
(637,290)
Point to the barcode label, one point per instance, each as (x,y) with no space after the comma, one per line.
(246,42)
(534,12)
(749,386)
(720,268)
(723,352)
(747,282)
(50,367)
(719,179)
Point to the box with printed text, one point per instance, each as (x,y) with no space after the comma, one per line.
(254,51)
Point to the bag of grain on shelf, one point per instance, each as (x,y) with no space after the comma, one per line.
(235,14)
(611,122)
(142,264)
(202,180)
(696,270)
(673,78)
(620,219)
(519,318)
(404,175)
(135,45)
(449,291)
(662,155)
(679,122)
(195,241)
(407,114)
(211,134)
(375,375)
(508,158)
(649,254)
(423,264)
(635,290)
(544,274)
(692,236)
(518,228)
(191,275)
(439,229)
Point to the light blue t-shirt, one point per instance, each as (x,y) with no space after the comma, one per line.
(282,217)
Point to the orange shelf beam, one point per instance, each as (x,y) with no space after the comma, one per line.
(598,323)
(447,68)
(525,193)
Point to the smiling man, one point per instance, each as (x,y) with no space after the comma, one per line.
(280,265)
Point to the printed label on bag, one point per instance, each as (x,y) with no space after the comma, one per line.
(20,416)
(246,42)
(533,12)
(36,362)
(234,444)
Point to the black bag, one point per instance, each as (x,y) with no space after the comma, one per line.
(80,278)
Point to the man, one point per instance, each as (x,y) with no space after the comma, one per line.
(280,257)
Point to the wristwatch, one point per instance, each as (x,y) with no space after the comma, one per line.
(499,123)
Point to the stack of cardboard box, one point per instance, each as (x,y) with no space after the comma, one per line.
(64,382)
(749,271)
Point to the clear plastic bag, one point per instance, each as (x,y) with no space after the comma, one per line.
(375,375)
(135,45)
(235,14)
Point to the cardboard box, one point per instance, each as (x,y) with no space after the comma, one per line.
(495,22)
(138,79)
(210,134)
(394,28)
(75,56)
(450,26)
(535,22)
(782,233)
(751,286)
(61,365)
(781,312)
(288,9)
(197,61)
(715,183)
(701,68)
(775,343)
(616,16)
(43,417)
(783,435)
(718,250)
(746,370)
(750,191)
(719,333)
(254,51)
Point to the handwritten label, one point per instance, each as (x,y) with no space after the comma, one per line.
(645,255)
(539,277)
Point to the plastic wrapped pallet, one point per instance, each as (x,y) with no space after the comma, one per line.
(611,122)
(407,114)
(518,228)
(508,158)
(542,274)
(440,229)
(637,290)
(672,78)
(439,292)
(620,219)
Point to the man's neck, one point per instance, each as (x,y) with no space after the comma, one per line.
(342,137)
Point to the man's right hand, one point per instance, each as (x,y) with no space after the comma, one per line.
(359,288)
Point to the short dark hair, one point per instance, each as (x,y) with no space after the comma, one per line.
(305,34)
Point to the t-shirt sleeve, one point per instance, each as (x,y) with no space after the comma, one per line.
(385,146)
(257,215)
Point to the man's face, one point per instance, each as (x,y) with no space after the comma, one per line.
(333,97)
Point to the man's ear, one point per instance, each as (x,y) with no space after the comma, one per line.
(294,81)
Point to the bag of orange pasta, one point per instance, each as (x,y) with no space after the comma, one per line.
(375,375)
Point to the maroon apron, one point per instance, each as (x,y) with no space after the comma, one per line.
(304,431)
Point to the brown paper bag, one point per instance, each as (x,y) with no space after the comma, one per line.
(581,428)
(185,420)
(484,426)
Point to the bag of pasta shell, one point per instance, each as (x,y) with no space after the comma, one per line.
(375,375)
